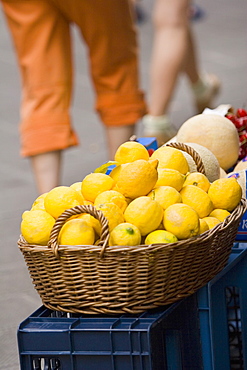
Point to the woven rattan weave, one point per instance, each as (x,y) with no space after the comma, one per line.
(113,280)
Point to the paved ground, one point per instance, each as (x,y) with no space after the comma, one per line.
(222,47)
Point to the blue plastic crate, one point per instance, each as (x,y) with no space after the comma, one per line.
(222,305)
(190,334)
(155,340)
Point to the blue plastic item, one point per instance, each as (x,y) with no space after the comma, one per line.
(159,339)
(150,143)
(191,334)
(110,168)
(222,307)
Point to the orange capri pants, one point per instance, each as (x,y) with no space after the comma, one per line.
(41,31)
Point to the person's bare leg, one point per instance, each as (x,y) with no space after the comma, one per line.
(117,135)
(190,66)
(205,87)
(169,50)
(170,22)
(46,169)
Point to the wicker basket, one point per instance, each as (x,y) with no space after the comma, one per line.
(114,280)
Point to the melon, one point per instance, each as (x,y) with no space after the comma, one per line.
(222,173)
(216,133)
(211,164)
(172,140)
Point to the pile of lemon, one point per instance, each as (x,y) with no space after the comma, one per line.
(146,199)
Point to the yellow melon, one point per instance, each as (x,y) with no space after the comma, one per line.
(216,133)
(211,164)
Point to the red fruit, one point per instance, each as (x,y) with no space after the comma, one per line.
(231,117)
(242,139)
(242,132)
(241,123)
(241,112)
(242,152)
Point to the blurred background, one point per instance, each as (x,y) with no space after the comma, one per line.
(221,39)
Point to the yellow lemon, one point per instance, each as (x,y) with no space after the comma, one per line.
(197,179)
(59,199)
(171,158)
(94,184)
(241,179)
(165,196)
(197,199)
(170,177)
(86,202)
(225,193)
(145,213)
(39,202)
(181,220)
(125,234)
(77,186)
(36,226)
(112,196)
(113,214)
(221,214)
(131,151)
(203,226)
(76,232)
(26,213)
(93,222)
(137,178)
(160,236)
(115,173)
(211,221)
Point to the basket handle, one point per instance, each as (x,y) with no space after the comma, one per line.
(188,149)
(60,221)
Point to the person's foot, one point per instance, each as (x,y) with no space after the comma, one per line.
(158,127)
(205,91)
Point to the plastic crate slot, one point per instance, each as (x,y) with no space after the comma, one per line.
(46,363)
